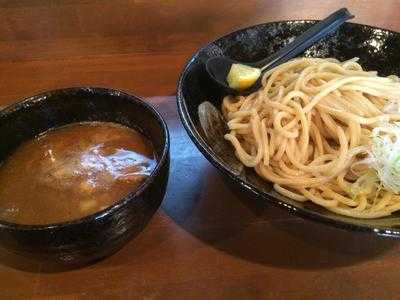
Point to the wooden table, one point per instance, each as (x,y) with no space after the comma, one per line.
(204,242)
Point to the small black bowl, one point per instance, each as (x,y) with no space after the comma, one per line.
(378,49)
(88,239)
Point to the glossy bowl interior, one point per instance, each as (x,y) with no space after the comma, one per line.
(98,235)
(378,49)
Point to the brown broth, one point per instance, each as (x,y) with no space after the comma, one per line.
(73,171)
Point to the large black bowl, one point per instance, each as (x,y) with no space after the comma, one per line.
(101,234)
(378,49)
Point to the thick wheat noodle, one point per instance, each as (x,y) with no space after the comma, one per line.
(307,129)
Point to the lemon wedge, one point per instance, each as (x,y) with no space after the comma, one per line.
(241,77)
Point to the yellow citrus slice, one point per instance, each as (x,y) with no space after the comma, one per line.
(241,77)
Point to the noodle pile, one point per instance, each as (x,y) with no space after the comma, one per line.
(308,130)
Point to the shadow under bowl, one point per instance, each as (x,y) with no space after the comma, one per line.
(79,242)
(378,49)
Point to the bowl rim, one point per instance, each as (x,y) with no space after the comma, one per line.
(132,196)
(202,145)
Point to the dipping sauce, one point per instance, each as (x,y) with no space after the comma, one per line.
(73,171)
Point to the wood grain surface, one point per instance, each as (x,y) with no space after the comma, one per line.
(204,242)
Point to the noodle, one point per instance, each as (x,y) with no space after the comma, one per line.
(308,129)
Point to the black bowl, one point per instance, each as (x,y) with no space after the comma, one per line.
(101,234)
(378,49)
